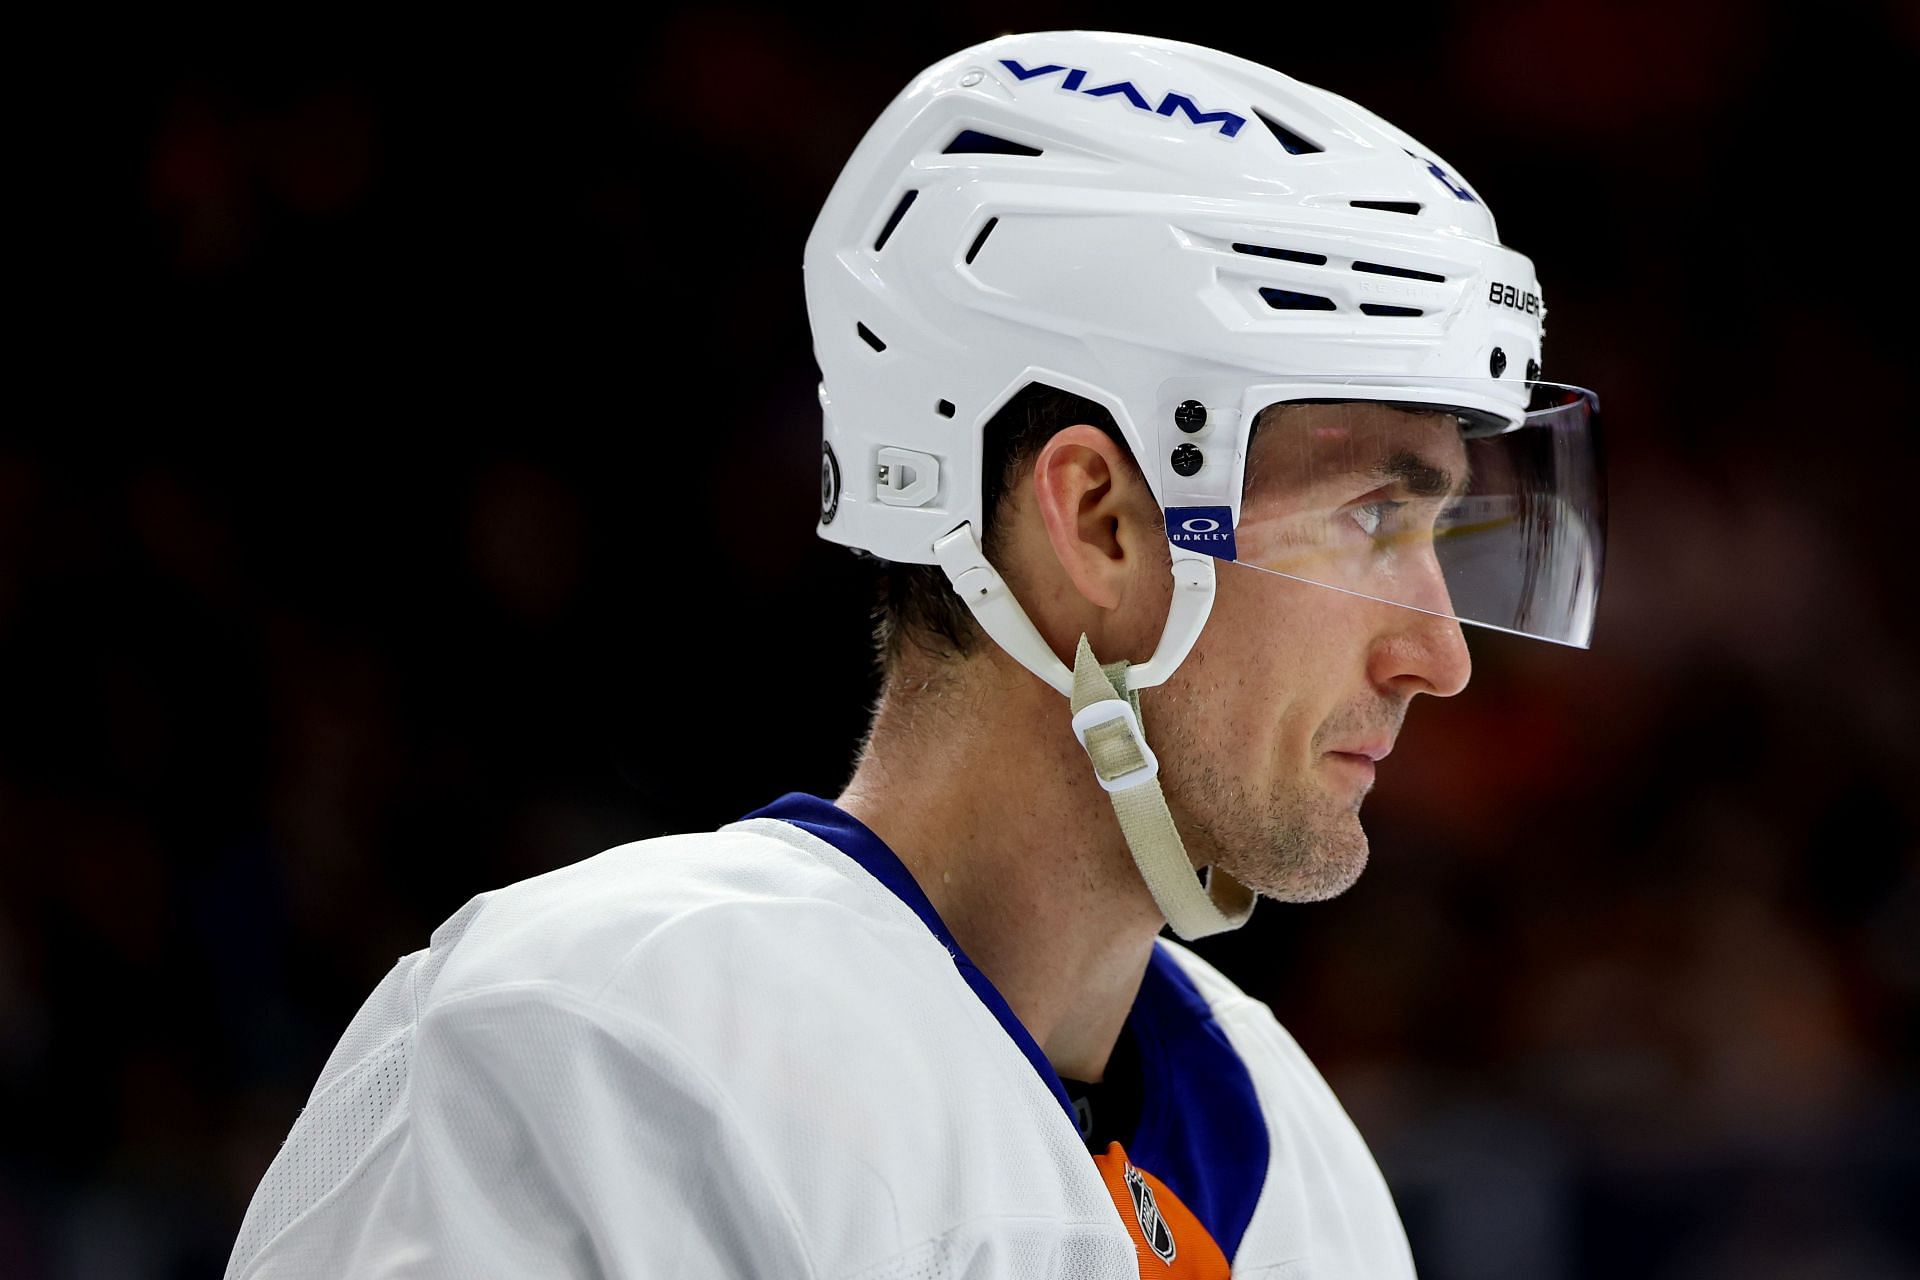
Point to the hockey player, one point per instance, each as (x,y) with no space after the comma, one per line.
(1193,409)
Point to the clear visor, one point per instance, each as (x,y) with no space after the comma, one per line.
(1450,499)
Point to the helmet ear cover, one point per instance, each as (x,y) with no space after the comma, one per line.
(914,603)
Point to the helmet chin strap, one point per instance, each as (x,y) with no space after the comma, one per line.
(1106,720)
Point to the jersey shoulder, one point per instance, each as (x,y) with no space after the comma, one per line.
(580,927)
(796,1032)
(822,1017)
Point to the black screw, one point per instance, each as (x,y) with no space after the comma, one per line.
(1187,459)
(1190,416)
(829,484)
(1533,371)
(1497,362)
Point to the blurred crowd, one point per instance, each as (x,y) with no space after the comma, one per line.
(447,439)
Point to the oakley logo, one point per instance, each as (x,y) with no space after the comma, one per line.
(1073,80)
(1204,529)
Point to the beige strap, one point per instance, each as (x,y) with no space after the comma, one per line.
(1116,748)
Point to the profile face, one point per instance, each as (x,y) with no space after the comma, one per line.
(1274,725)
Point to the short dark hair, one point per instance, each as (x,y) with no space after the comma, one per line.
(914,604)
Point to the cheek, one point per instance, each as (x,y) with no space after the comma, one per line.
(1276,658)
(1268,629)
(1235,690)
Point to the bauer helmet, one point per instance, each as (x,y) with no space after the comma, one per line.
(1191,239)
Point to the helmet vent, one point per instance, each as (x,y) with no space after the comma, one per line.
(869,337)
(1290,255)
(1293,142)
(899,212)
(973,250)
(1288,300)
(1407,273)
(971,142)
(1388,206)
(944,408)
(1383,309)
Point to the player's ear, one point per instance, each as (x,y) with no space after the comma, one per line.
(1100,517)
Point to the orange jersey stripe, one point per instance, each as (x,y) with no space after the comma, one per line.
(1169,1239)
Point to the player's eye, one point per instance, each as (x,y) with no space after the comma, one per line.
(1374,516)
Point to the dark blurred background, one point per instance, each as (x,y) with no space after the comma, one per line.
(428,430)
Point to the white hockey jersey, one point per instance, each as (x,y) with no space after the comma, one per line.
(758,1052)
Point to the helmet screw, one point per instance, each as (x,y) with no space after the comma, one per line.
(1187,459)
(829,483)
(973,77)
(1497,362)
(1533,371)
(1190,416)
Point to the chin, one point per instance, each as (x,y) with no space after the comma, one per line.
(1326,870)
(1329,878)
(1294,856)
(1298,841)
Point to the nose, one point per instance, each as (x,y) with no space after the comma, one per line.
(1424,650)
(1420,652)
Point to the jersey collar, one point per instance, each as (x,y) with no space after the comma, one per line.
(854,838)
(1201,1129)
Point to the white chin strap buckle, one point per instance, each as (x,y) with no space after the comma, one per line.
(1110,734)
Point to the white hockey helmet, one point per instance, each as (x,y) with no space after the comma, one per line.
(1189,238)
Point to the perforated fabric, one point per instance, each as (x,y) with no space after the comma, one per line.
(359,1098)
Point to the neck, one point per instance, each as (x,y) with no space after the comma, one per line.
(974,778)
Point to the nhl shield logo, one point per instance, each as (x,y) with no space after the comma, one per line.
(1153,1227)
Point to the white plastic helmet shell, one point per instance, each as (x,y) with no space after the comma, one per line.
(1169,231)
(1102,213)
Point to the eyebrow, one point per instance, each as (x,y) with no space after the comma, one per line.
(1419,475)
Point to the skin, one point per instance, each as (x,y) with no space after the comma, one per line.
(971,772)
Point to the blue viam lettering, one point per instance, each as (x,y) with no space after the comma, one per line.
(1119,86)
(1226,123)
(1229,122)
(1025,74)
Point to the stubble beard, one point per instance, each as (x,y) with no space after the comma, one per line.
(1298,843)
